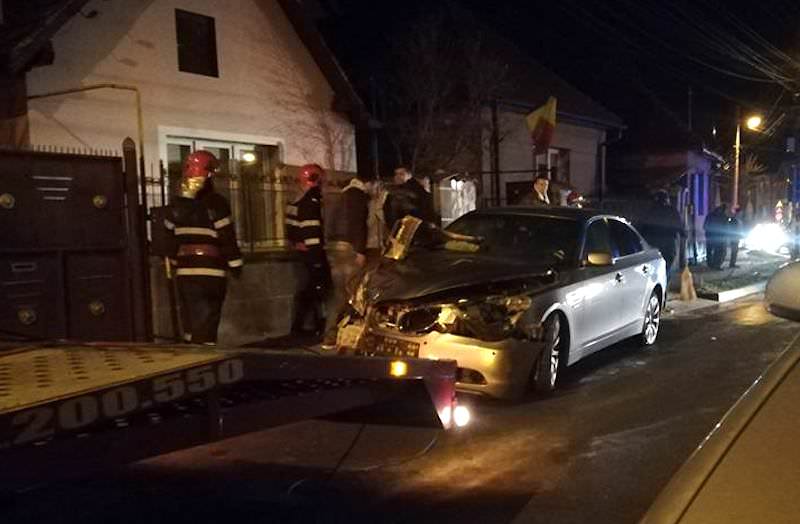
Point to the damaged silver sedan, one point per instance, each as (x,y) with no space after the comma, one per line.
(513,295)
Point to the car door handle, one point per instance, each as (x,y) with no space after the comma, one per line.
(645,269)
(619,278)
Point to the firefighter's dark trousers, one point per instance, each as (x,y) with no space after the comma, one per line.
(313,294)
(201,307)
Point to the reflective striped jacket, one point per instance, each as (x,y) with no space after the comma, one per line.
(203,239)
(304,221)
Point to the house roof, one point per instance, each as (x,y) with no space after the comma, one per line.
(529,84)
(300,15)
(27,29)
(29,26)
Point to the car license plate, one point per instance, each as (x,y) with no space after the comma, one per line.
(380,345)
(350,335)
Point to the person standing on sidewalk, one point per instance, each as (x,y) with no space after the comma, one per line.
(735,235)
(346,252)
(202,246)
(305,232)
(715,227)
(663,228)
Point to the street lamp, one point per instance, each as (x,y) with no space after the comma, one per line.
(753,123)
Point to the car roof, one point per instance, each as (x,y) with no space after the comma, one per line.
(578,214)
(747,469)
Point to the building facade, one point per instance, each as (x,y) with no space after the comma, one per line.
(244,79)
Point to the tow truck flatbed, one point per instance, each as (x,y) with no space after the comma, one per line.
(67,410)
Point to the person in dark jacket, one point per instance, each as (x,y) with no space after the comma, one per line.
(304,229)
(539,197)
(346,252)
(408,197)
(662,228)
(201,244)
(734,235)
(715,227)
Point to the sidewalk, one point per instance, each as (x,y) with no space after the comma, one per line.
(714,286)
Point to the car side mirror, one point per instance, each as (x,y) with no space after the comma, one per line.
(599,258)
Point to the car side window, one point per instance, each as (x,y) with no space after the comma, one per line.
(625,238)
(598,239)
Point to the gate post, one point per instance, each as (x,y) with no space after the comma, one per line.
(139,261)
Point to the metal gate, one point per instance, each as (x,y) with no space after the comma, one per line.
(71,263)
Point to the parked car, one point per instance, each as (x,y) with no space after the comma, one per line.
(782,296)
(513,295)
(748,468)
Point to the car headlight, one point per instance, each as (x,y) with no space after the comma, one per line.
(488,318)
(769,237)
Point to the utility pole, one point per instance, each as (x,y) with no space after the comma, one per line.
(736,151)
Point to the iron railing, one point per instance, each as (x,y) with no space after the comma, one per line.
(257,199)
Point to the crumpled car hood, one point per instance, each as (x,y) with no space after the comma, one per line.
(435,272)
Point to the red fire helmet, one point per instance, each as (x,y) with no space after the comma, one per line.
(311,175)
(200,164)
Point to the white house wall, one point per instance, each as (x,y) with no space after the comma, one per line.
(269,88)
(516,155)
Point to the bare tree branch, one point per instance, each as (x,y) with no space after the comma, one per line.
(445,74)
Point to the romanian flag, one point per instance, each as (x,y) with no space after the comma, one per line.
(542,124)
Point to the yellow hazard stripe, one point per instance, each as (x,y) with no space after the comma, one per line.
(235,263)
(203,231)
(311,241)
(200,272)
(308,223)
(292,222)
(291,210)
(219,224)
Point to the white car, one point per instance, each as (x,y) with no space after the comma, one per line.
(782,296)
(748,469)
(520,295)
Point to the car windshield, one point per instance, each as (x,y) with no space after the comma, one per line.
(551,238)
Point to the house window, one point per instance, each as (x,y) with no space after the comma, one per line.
(249,178)
(554,163)
(197,43)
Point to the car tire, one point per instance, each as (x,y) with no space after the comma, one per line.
(652,320)
(549,364)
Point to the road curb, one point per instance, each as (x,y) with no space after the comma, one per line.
(733,294)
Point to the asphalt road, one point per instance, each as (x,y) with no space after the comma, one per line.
(598,451)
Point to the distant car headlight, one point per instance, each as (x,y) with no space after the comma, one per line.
(769,237)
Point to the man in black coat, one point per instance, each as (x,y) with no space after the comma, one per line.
(662,228)
(716,229)
(540,196)
(735,235)
(408,197)
(346,252)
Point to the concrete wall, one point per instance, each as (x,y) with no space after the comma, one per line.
(515,152)
(259,305)
(269,89)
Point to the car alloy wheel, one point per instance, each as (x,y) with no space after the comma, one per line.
(652,320)
(549,361)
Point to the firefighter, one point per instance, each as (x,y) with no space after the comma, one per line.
(305,232)
(203,248)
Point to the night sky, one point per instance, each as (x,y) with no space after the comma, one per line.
(636,57)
